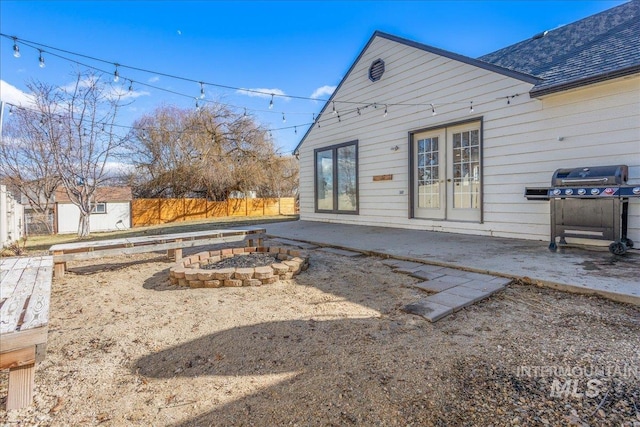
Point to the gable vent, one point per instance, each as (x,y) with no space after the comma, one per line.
(376,70)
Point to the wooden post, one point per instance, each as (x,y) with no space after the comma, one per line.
(21,383)
(58,267)
(175,254)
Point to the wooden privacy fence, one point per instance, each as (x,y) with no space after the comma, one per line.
(161,211)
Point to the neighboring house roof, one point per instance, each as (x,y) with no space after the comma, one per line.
(102,194)
(599,47)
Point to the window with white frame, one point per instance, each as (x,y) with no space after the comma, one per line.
(99,208)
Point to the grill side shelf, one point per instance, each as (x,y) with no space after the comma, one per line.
(536,193)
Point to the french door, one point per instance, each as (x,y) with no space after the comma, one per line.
(447,178)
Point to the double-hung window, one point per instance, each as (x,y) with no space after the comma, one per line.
(99,208)
(336,178)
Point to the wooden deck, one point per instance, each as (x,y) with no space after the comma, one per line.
(172,243)
(25,290)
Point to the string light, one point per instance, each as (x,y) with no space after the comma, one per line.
(116,76)
(41,63)
(295,130)
(357,110)
(130,86)
(10,109)
(16,49)
(284,120)
(201,90)
(385,111)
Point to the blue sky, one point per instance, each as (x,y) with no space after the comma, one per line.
(293,48)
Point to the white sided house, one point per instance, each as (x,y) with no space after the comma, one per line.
(420,138)
(111,211)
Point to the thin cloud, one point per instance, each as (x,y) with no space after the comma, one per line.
(323,91)
(154,79)
(112,92)
(14,96)
(263,93)
(122,93)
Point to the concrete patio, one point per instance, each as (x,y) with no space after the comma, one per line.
(574,269)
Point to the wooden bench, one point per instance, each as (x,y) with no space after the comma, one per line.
(172,243)
(25,290)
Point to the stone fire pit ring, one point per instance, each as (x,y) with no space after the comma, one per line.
(188,273)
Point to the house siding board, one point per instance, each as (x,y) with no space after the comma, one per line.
(517,138)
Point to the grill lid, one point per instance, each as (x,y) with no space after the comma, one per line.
(596,175)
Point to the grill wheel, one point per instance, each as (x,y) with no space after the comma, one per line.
(618,248)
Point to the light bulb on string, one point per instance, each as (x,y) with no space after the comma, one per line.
(358,110)
(471,108)
(271,102)
(41,63)
(433,110)
(16,49)
(295,130)
(130,85)
(333,104)
(10,109)
(385,111)
(116,74)
(338,117)
(284,120)
(201,90)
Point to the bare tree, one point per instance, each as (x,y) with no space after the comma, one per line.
(27,162)
(74,126)
(208,152)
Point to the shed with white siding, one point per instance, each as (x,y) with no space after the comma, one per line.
(111,211)
(421,138)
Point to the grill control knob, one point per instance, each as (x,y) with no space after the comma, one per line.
(636,190)
(556,192)
(568,191)
(582,191)
(595,191)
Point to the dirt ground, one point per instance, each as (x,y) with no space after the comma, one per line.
(332,347)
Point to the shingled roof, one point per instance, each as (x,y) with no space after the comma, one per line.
(597,48)
(102,194)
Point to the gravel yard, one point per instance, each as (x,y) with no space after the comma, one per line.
(331,347)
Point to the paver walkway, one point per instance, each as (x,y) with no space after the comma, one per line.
(452,289)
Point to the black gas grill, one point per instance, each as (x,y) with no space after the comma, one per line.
(589,203)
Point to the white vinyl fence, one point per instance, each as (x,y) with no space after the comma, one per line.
(11,214)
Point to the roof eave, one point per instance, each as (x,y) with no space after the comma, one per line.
(574,84)
(440,52)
